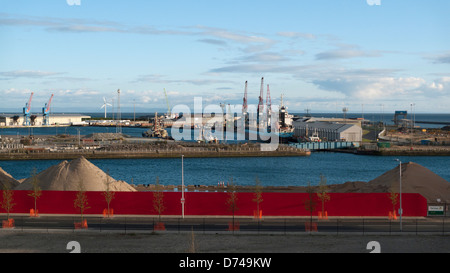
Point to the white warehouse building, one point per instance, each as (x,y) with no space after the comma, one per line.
(328,131)
(38,119)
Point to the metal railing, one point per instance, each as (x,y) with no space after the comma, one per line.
(238,225)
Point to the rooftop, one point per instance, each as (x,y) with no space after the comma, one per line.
(10,115)
(323,125)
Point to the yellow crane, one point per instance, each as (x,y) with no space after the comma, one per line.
(168,106)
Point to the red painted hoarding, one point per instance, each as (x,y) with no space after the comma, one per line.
(215,203)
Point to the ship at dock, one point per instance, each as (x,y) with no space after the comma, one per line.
(157,130)
(286,130)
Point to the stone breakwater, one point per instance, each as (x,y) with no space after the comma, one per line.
(158,153)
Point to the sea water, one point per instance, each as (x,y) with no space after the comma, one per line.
(271,171)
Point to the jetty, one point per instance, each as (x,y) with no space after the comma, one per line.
(154,150)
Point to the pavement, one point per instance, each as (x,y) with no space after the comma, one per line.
(163,242)
(52,234)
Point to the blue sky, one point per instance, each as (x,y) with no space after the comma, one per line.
(322,55)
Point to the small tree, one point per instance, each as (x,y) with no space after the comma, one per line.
(108,194)
(232,198)
(258,195)
(8,199)
(310,203)
(393,196)
(36,192)
(322,192)
(81,200)
(158,199)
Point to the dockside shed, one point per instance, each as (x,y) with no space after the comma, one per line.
(328,131)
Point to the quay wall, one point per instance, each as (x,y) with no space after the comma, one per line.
(68,155)
(215,204)
(421,151)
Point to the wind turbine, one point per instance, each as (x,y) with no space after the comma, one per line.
(105,104)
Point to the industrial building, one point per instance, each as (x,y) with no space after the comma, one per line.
(327,131)
(41,119)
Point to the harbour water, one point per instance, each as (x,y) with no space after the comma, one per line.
(71,130)
(272,171)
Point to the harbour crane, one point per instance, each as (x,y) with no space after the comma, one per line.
(260,103)
(269,106)
(244,104)
(268,100)
(245,107)
(46,112)
(26,111)
(261,94)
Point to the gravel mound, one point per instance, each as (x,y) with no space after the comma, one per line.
(6,180)
(415,179)
(67,176)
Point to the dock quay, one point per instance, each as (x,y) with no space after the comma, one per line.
(125,151)
(415,150)
(325,146)
(219,188)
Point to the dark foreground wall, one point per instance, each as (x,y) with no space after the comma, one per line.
(215,203)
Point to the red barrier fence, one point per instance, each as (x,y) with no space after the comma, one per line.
(215,203)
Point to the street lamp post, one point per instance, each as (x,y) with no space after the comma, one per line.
(401,209)
(182,187)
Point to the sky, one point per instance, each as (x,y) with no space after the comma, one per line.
(321,55)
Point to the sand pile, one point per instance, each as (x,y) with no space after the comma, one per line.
(415,179)
(6,180)
(66,176)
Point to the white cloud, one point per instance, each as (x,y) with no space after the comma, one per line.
(252,42)
(439,86)
(84,92)
(371,88)
(157,78)
(261,68)
(15,93)
(265,57)
(28,74)
(233,36)
(220,36)
(214,42)
(345,52)
(293,34)
(387,88)
(443,58)
(145,99)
